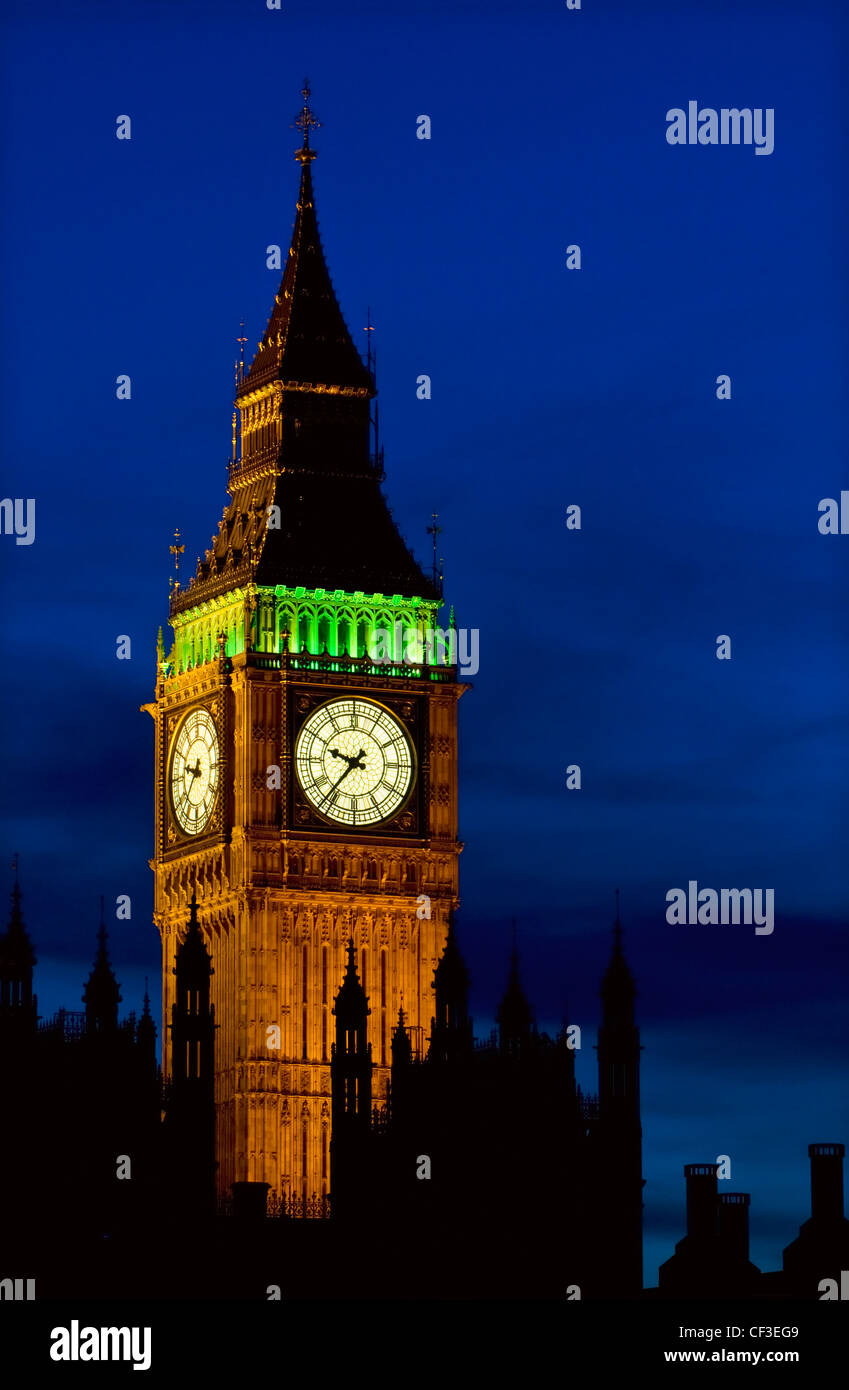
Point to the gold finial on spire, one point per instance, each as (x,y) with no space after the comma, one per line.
(241,340)
(303,121)
(239,376)
(176,550)
(435,531)
(369,328)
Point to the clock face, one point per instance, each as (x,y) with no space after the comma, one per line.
(195,767)
(355,762)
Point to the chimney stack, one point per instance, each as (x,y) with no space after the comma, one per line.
(826,1181)
(734,1224)
(701,1200)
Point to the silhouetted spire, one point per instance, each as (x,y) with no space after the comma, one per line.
(451,978)
(451,1032)
(17,959)
(192,963)
(402,1048)
(15,946)
(191,1104)
(102,994)
(147,1031)
(619,1154)
(351,1004)
(350,1069)
(514,1015)
(618,990)
(192,1014)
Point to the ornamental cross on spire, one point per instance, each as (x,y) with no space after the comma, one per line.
(303,121)
(177,550)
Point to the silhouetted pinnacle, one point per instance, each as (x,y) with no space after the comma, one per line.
(514,1016)
(402,1048)
(618,989)
(102,994)
(351,1002)
(192,959)
(451,978)
(16,949)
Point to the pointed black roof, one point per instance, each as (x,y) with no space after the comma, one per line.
(102,994)
(515,1016)
(618,989)
(338,533)
(147,1027)
(307,342)
(451,978)
(192,960)
(402,1048)
(351,1003)
(17,955)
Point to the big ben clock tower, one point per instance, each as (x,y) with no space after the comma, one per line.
(306,766)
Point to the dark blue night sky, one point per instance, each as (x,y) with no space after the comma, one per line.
(550,387)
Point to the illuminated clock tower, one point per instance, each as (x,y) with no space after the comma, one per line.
(306,744)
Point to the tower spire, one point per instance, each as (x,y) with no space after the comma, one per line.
(618,990)
(371,363)
(146,1035)
(191,1109)
(304,404)
(369,328)
(451,1029)
(18,1005)
(102,994)
(515,1016)
(238,375)
(620,1135)
(435,531)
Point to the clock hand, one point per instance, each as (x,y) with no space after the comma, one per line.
(352,762)
(336,784)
